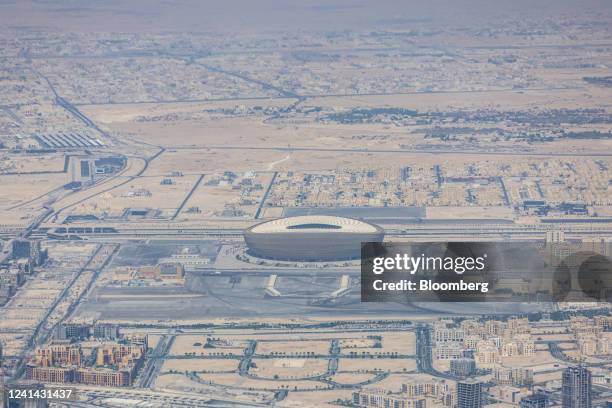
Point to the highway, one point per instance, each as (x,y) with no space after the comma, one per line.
(42,331)
(265,85)
(265,196)
(400,228)
(186,200)
(154,362)
(110,250)
(399,151)
(94,191)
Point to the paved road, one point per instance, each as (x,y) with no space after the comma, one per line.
(557,353)
(154,361)
(42,331)
(424,356)
(186,200)
(245,362)
(398,151)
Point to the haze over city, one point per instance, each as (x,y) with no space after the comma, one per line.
(185,187)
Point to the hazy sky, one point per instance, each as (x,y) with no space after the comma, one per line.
(272,15)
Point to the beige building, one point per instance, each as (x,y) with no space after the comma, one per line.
(385,399)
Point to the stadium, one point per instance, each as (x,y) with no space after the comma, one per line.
(311,238)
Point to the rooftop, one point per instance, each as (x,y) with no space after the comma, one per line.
(315,223)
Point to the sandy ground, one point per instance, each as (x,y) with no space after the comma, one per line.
(293,347)
(382,364)
(203,365)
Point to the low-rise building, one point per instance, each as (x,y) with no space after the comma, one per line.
(385,399)
(116,364)
(519,377)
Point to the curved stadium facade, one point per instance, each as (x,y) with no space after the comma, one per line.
(311,238)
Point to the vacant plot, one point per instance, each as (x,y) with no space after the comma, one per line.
(360,365)
(290,348)
(288,369)
(200,365)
